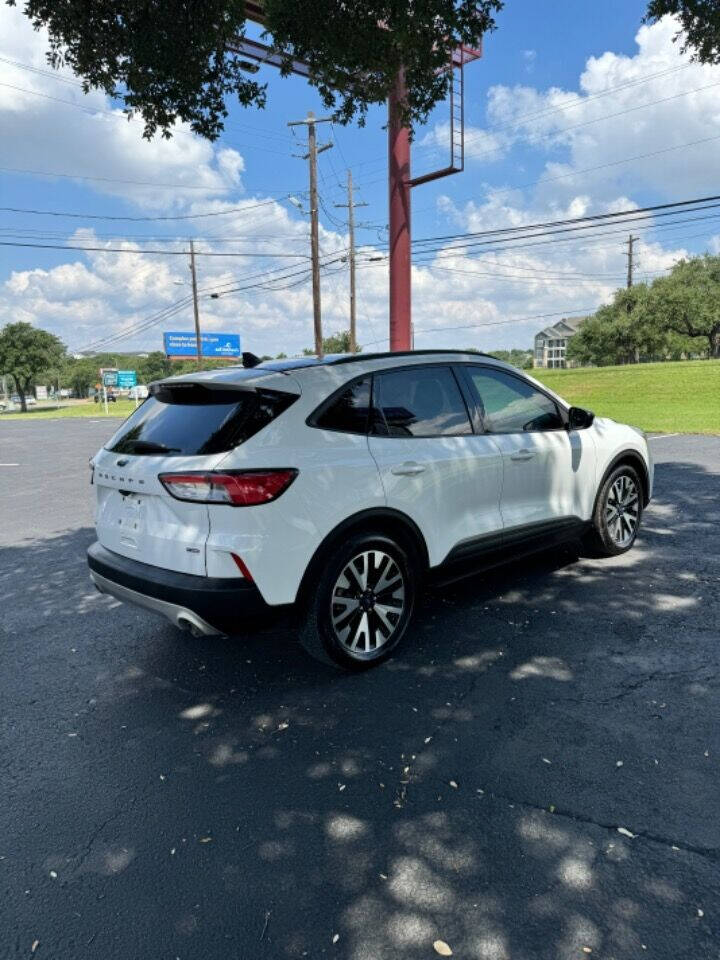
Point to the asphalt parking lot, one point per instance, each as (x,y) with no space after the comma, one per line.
(536,775)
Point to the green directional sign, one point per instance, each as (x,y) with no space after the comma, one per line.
(110,378)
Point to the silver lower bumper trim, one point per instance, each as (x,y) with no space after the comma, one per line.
(181,617)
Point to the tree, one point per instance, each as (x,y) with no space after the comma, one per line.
(171,61)
(620,332)
(523,359)
(687,301)
(155,366)
(335,343)
(81,375)
(25,352)
(699,22)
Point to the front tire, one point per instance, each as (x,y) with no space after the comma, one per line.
(618,512)
(363,602)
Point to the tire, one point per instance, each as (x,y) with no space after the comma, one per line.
(344,621)
(618,512)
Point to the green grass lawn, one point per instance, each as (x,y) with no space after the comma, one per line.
(122,408)
(679,397)
(665,397)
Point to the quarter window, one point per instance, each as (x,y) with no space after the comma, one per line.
(511,405)
(419,402)
(349,411)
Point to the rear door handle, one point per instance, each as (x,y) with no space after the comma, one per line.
(522,455)
(408,469)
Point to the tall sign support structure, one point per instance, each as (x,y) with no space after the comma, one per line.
(400,182)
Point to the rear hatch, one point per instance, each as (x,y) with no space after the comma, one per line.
(184,425)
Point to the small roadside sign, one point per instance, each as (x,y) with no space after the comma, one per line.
(125,379)
(110,378)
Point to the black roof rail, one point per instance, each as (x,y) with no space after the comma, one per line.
(352,358)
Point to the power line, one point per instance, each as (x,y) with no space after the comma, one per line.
(493,323)
(572,221)
(164,253)
(105,216)
(137,183)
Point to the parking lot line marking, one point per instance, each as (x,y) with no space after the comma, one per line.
(9,464)
(663,436)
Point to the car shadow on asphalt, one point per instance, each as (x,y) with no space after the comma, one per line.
(471,790)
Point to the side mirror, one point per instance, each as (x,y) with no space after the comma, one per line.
(579,419)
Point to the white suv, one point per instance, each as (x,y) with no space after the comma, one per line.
(338,485)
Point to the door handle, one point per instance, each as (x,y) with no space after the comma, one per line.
(522,455)
(408,469)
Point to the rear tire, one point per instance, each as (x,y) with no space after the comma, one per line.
(363,602)
(617,514)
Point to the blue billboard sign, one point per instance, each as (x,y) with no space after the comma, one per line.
(214,345)
(126,379)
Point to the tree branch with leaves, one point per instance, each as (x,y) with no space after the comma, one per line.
(171,61)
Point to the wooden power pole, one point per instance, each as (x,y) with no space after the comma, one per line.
(631,262)
(313,150)
(351,230)
(196,311)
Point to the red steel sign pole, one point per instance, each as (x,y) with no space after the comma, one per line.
(400,254)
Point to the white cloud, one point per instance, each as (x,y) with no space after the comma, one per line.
(491,147)
(93,138)
(617,114)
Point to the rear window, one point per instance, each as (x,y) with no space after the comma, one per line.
(187,421)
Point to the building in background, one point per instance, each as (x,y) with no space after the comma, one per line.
(551,343)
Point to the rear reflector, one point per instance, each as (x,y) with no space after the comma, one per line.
(242,567)
(245,488)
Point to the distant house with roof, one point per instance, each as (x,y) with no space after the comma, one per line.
(551,343)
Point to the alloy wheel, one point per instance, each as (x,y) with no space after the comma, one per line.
(368,602)
(622,510)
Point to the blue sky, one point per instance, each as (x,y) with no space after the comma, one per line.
(573,109)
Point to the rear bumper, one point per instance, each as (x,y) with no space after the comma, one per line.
(205,605)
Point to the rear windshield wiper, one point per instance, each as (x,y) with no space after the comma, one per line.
(148,446)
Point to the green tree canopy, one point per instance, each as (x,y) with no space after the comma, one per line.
(26,352)
(81,375)
(171,61)
(523,359)
(676,316)
(155,366)
(687,302)
(700,23)
(336,343)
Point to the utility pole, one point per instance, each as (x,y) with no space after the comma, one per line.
(630,255)
(351,230)
(195,304)
(313,150)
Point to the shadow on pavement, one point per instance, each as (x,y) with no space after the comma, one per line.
(233,798)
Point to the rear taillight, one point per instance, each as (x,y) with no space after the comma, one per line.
(245,488)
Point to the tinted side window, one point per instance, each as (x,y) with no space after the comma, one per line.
(349,411)
(420,402)
(511,405)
